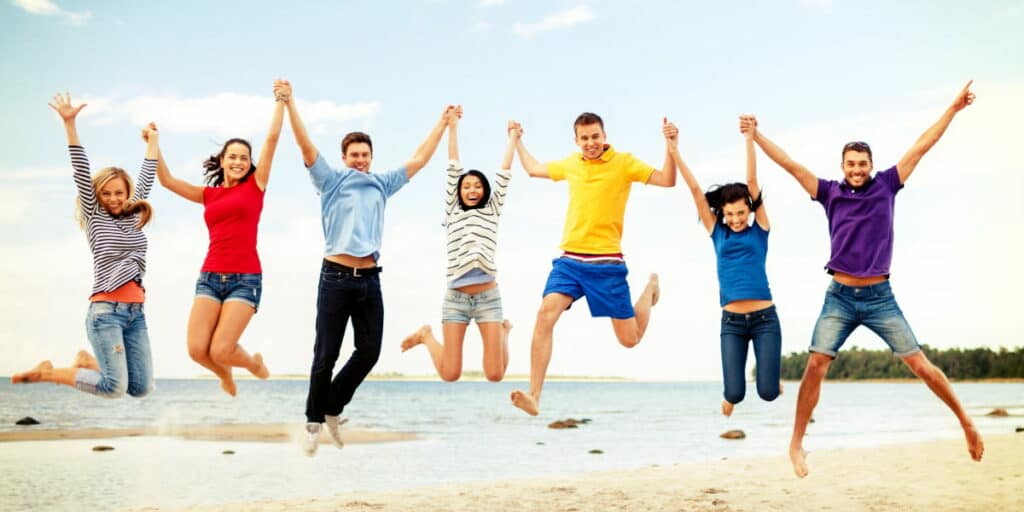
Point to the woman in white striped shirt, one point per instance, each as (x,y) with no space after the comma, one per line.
(112,215)
(472,211)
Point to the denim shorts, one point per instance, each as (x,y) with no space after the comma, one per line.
(460,308)
(847,307)
(603,284)
(222,288)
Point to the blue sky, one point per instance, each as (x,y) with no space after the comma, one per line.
(817,73)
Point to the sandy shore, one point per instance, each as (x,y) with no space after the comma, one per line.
(930,476)
(274,432)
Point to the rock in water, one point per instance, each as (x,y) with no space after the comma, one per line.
(733,434)
(27,420)
(228,452)
(596,451)
(1020,429)
(102,448)
(562,424)
(998,412)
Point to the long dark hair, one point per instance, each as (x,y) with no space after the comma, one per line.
(483,180)
(214,175)
(720,195)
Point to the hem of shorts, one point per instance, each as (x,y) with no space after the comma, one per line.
(210,297)
(613,317)
(243,301)
(907,353)
(830,353)
(455,321)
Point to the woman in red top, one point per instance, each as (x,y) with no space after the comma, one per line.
(230,281)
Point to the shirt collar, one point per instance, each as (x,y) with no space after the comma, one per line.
(609,152)
(846,187)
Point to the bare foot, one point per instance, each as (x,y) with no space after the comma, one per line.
(525,401)
(32,375)
(415,338)
(727,408)
(798,457)
(656,288)
(85,360)
(228,385)
(261,371)
(974,443)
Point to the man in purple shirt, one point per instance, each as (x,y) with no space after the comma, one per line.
(860,222)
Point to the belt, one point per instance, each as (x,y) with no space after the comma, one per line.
(354,272)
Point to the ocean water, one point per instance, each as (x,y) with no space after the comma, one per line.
(468,431)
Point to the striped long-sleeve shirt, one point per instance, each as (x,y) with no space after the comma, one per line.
(118,245)
(472,234)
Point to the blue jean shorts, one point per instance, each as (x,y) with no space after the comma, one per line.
(604,285)
(222,288)
(847,307)
(460,308)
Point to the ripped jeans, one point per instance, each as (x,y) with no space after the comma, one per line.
(120,342)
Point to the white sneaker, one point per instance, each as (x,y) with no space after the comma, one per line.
(332,429)
(311,439)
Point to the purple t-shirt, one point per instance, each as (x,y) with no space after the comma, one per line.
(860,223)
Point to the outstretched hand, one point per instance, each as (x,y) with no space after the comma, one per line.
(670,131)
(965,98)
(62,105)
(150,133)
(748,125)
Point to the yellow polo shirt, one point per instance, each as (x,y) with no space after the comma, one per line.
(598,191)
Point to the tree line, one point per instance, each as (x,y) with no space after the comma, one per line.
(957,363)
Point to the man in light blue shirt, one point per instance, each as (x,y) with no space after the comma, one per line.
(352,203)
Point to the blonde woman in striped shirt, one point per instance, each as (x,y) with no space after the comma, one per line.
(112,215)
(472,212)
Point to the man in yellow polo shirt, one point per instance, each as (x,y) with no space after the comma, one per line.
(592,265)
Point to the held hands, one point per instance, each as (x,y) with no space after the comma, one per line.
(670,131)
(282,90)
(965,98)
(452,114)
(150,133)
(62,105)
(515,130)
(748,126)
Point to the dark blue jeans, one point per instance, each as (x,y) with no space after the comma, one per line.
(343,295)
(763,328)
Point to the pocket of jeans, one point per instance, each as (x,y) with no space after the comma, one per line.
(333,277)
(101,308)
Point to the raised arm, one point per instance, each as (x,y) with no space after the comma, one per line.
(282,91)
(928,139)
(707,218)
(68,112)
(760,214)
(453,132)
(666,177)
(427,147)
(454,166)
(79,161)
(531,165)
(181,187)
(144,184)
(806,178)
(309,151)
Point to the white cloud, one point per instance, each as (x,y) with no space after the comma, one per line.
(48,8)
(565,19)
(224,114)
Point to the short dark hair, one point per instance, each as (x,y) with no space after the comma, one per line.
(354,137)
(860,147)
(483,181)
(585,119)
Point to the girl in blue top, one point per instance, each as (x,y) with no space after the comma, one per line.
(741,248)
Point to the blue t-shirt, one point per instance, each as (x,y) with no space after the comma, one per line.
(352,206)
(740,258)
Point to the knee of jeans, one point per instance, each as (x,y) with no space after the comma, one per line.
(368,355)
(768,394)
(140,390)
(734,396)
(111,387)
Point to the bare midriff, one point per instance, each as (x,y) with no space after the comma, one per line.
(474,289)
(857,282)
(747,306)
(352,261)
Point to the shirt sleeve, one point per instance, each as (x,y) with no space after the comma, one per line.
(636,169)
(451,182)
(891,178)
(824,192)
(320,173)
(394,180)
(557,169)
(501,181)
(145,182)
(83,180)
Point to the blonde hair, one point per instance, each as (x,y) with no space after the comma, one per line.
(104,176)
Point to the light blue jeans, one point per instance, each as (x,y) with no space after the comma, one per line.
(120,342)
(847,307)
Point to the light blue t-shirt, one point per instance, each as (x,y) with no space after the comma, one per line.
(741,263)
(352,206)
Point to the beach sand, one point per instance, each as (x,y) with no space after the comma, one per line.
(929,476)
(272,432)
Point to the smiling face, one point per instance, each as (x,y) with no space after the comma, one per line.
(591,141)
(113,195)
(358,156)
(471,190)
(236,162)
(856,167)
(737,215)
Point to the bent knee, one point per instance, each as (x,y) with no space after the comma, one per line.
(734,397)
(140,391)
(111,388)
(450,375)
(199,354)
(628,340)
(222,356)
(768,395)
(494,375)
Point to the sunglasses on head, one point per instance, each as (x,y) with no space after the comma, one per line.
(857,146)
